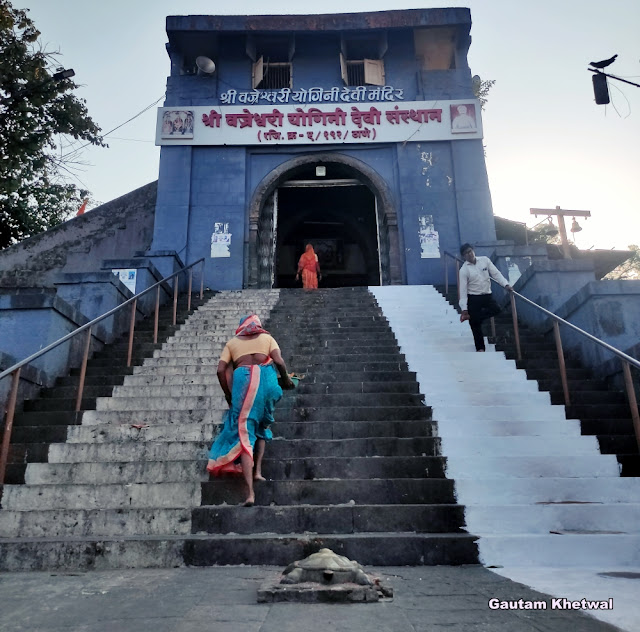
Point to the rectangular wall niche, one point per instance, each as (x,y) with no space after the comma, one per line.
(429,239)
(220,240)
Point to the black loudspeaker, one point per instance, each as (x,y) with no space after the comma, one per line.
(600,89)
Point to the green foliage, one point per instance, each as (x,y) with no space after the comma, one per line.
(630,269)
(481,90)
(37,114)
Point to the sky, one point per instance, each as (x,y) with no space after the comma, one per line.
(547,143)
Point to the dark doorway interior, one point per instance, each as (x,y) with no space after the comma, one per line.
(340,222)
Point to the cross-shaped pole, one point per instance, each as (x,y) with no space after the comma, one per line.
(561,214)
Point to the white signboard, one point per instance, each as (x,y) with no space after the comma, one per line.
(128,278)
(220,240)
(326,123)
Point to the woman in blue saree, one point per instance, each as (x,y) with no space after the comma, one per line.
(248,374)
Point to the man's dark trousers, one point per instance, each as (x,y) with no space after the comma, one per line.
(480,307)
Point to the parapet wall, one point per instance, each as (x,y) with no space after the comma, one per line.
(117,229)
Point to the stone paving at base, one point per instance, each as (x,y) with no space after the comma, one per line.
(224,599)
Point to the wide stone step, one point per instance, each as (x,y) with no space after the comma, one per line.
(332,491)
(38,434)
(116,472)
(561,518)
(506,467)
(162,417)
(588,489)
(354,429)
(50,404)
(94,522)
(141,495)
(373,446)
(599,550)
(310,388)
(354,413)
(91,553)
(354,467)
(131,451)
(334,519)
(380,549)
(358,399)
(554,445)
(136,433)
(150,404)
(508,428)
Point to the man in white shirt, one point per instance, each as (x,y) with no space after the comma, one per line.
(476,301)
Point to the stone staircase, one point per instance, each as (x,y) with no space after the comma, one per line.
(119,492)
(45,420)
(536,491)
(356,466)
(602,412)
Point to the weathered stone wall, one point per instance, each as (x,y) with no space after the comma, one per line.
(117,229)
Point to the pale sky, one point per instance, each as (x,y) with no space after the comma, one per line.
(547,142)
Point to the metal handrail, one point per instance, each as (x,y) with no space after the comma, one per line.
(15,369)
(626,360)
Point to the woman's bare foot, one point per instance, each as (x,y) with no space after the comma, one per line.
(251,501)
(259,477)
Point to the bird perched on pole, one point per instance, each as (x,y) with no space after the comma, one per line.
(604,63)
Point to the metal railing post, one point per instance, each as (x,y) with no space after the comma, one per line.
(633,403)
(189,290)
(8,424)
(516,330)
(202,281)
(458,278)
(561,363)
(156,316)
(493,328)
(175,300)
(83,370)
(446,276)
(132,326)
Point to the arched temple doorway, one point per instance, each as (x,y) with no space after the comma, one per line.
(346,214)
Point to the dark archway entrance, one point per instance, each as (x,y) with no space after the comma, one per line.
(339,219)
(346,213)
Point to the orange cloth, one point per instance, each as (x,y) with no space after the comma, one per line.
(309,268)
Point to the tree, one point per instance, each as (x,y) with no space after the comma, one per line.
(481,89)
(630,269)
(38,114)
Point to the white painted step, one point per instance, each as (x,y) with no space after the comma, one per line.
(548,489)
(570,518)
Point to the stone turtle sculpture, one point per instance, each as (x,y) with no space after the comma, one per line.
(326,567)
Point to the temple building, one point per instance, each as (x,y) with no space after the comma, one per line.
(358,133)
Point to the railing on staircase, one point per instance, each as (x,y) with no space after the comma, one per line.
(14,370)
(626,360)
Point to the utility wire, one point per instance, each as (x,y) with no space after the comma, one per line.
(74,151)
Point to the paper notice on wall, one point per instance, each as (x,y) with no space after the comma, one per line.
(220,240)
(128,277)
(429,239)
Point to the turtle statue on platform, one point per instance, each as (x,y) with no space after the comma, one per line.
(326,567)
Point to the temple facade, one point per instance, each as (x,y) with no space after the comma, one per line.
(358,133)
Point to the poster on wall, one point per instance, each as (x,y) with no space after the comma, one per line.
(220,240)
(128,278)
(177,124)
(463,118)
(429,238)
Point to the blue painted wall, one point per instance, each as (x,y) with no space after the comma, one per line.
(202,185)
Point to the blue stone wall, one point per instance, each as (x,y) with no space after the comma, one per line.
(200,186)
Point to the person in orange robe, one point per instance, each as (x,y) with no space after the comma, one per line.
(309,268)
